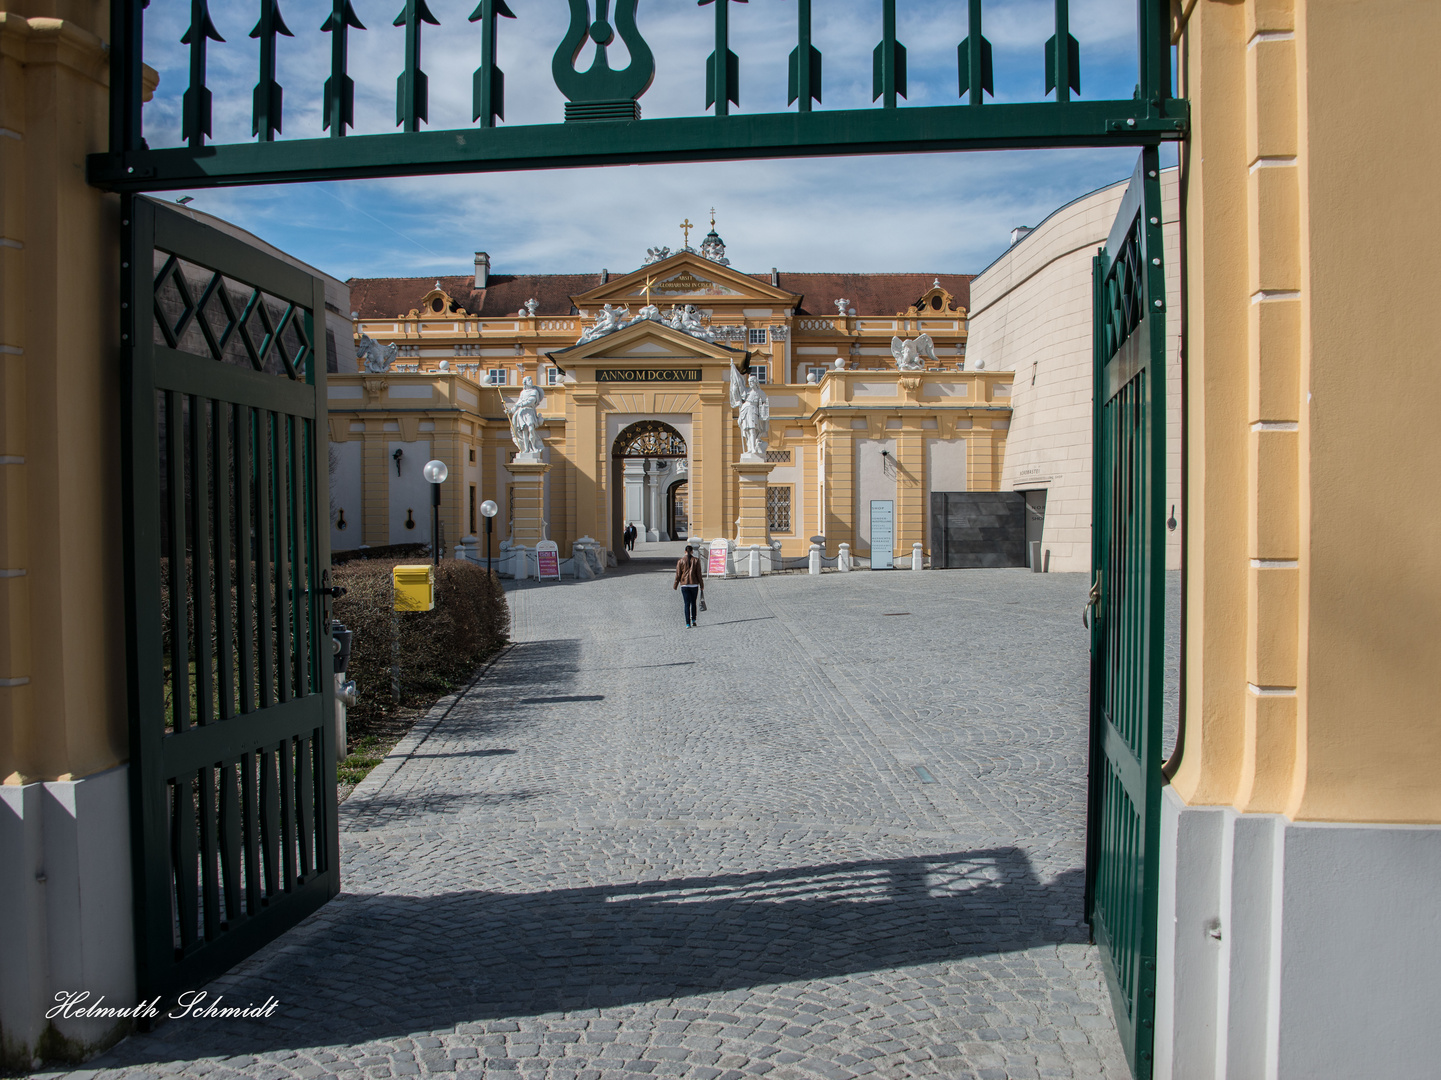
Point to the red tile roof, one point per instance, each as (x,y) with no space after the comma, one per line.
(869,294)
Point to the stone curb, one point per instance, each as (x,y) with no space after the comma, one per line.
(381,775)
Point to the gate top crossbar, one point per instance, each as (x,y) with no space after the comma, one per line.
(602,111)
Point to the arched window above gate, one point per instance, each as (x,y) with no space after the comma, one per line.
(649,439)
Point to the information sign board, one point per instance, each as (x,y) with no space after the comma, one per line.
(716,566)
(883,533)
(547,560)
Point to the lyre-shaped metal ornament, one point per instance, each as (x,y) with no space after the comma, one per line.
(601,92)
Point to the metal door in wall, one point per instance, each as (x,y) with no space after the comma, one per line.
(231,702)
(1127,606)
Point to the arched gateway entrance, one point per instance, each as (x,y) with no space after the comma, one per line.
(649,458)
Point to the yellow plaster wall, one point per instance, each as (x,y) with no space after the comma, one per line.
(62,699)
(1312,262)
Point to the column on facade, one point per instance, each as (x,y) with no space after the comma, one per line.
(376,470)
(910,484)
(654,525)
(839,510)
(587,463)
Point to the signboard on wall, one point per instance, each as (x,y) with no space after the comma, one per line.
(883,533)
(547,560)
(716,565)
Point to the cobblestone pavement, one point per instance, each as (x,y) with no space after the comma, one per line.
(834,831)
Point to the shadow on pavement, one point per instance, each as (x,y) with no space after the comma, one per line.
(378,966)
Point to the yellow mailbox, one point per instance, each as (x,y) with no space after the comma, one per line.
(414,587)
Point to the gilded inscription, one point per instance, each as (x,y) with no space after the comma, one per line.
(647,375)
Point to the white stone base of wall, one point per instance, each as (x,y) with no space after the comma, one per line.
(1296,950)
(65,908)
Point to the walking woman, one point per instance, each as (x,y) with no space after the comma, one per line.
(689,581)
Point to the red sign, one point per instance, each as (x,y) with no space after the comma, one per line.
(716,567)
(547,560)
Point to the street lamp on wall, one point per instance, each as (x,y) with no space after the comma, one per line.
(395,457)
(435,473)
(488,509)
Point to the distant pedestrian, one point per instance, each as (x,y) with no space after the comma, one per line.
(630,535)
(689,581)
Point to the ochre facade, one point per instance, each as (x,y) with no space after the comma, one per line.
(444,397)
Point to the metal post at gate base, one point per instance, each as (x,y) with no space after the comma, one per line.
(394,653)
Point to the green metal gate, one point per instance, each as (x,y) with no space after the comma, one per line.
(228,552)
(1128,604)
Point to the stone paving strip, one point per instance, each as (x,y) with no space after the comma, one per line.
(635,850)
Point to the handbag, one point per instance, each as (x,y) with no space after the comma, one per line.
(701,602)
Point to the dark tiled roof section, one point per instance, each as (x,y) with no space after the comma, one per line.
(869,294)
(387,298)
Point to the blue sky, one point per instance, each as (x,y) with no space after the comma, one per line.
(945,213)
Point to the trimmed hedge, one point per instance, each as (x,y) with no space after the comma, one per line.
(439,649)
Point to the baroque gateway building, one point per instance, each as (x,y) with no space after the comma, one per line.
(869,395)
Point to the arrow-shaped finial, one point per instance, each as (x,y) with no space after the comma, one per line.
(195,105)
(268,95)
(339,88)
(412,91)
(488,89)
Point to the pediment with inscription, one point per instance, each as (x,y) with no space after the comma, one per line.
(647,340)
(682,278)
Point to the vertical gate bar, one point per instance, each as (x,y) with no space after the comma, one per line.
(230,846)
(287,812)
(302,587)
(1153,22)
(886,78)
(175,452)
(327,834)
(143,512)
(127,37)
(201,558)
(805,65)
(246,564)
(209,854)
(305,802)
(225,561)
(269,823)
(183,858)
(283,526)
(264,562)
(250,831)
(1095,823)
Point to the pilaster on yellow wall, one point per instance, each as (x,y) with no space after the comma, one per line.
(1311,625)
(910,486)
(61,605)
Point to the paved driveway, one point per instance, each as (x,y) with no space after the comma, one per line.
(834,831)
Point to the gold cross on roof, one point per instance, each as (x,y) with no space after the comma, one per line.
(649,281)
(686,227)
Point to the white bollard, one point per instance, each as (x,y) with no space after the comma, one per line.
(918,559)
(843,560)
(755,560)
(815,560)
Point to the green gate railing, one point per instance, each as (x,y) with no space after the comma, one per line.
(601,108)
(227,544)
(1128,604)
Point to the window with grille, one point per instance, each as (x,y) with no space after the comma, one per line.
(495,376)
(552,376)
(778,457)
(758,336)
(759,371)
(778,508)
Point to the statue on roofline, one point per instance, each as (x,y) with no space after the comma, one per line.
(375,357)
(909,354)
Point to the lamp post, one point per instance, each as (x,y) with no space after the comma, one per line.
(435,473)
(489,510)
